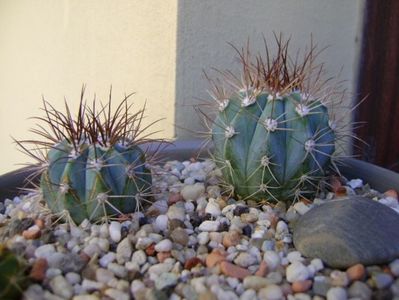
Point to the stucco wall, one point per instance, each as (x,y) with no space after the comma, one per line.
(205,27)
(156,48)
(51,48)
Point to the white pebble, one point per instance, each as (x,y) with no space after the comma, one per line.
(163,246)
(355,183)
(213,208)
(317,263)
(294,256)
(176,212)
(73,278)
(297,271)
(139,257)
(61,287)
(161,222)
(394,266)
(203,238)
(44,251)
(107,259)
(189,206)
(115,231)
(301,208)
(192,192)
(209,226)
(135,286)
(281,227)
(337,293)
(271,292)
(91,285)
(272,259)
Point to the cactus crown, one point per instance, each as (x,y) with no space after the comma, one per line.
(273,135)
(92,165)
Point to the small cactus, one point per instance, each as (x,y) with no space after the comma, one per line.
(273,136)
(13,279)
(93,166)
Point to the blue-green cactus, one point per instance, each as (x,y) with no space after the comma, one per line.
(94,166)
(273,137)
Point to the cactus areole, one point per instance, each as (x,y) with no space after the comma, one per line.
(92,166)
(273,136)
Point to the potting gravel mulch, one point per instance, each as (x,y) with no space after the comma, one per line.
(191,243)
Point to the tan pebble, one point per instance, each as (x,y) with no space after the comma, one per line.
(40,223)
(32,233)
(262,271)
(391,193)
(231,238)
(174,198)
(162,256)
(222,203)
(192,262)
(215,257)
(273,222)
(249,218)
(152,212)
(39,268)
(122,218)
(356,272)
(207,295)
(84,256)
(232,270)
(301,286)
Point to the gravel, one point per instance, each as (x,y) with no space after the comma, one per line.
(193,243)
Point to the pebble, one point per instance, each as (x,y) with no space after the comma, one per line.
(209,226)
(61,287)
(176,212)
(214,258)
(301,208)
(381,280)
(337,293)
(39,268)
(255,282)
(180,236)
(356,272)
(115,231)
(166,280)
(301,286)
(271,292)
(338,278)
(245,260)
(359,289)
(203,238)
(124,251)
(164,246)
(296,271)
(232,270)
(394,267)
(192,192)
(32,233)
(139,257)
(161,222)
(213,208)
(106,259)
(295,256)
(272,259)
(116,294)
(44,251)
(262,271)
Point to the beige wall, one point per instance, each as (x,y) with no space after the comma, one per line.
(156,48)
(52,47)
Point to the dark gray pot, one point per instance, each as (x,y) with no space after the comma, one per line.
(379,178)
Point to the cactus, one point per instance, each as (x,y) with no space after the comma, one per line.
(12,275)
(94,166)
(273,136)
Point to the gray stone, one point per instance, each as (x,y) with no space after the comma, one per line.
(360,290)
(345,232)
(180,236)
(72,262)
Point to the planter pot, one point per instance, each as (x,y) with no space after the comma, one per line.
(379,178)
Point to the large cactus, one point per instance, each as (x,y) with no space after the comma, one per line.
(94,167)
(273,137)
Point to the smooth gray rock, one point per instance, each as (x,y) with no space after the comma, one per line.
(350,231)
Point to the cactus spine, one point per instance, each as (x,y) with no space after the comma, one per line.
(273,137)
(94,166)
